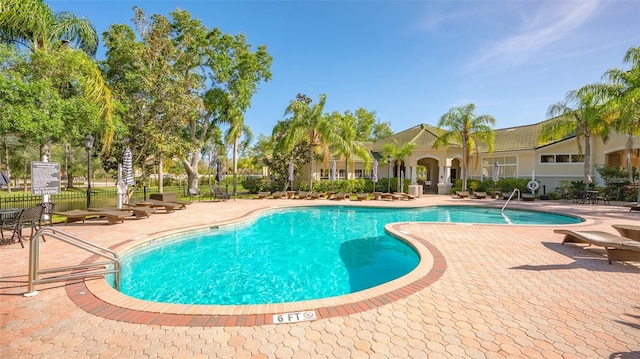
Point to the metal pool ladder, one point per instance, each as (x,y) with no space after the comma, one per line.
(512,193)
(110,265)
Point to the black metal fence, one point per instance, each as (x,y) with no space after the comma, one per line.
(67,200)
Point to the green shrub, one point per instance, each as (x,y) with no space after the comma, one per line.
(509,184)
(255,184)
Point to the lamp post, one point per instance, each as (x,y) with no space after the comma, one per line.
(388,173)
(88,145)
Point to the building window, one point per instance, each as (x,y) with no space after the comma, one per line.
(507,166)
(547,158)
(562,158)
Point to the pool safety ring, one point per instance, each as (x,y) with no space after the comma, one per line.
(533,186)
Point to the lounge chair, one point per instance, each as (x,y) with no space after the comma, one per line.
(263,195)
(168,198)
(462,194)
(167,206)
(279,195)
(139,212)
(317,195)
(303,195)
(617,248)
(480,195)
(528,197)
(628,231)
(177,204)
(78,215)
(404,195)
(362,196)
(390,196)
(341,195)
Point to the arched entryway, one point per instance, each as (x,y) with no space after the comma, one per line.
(427,174)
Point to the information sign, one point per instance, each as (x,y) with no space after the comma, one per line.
(45,178)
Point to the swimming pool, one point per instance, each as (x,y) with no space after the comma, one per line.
(293,254)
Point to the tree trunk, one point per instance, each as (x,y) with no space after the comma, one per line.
(398,166)
(587,160)
(191,167)
(627,154)
(638,197)
(463,171)
(6,160)
(160,176)
(311,169)
(235,165)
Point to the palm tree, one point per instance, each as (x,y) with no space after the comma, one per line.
(346,144)
(236,130)
(32,24)
(461,126)
(398,154)
(307,123)
(580,115)
(622,101)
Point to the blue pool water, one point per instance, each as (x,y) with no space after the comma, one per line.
(293,254)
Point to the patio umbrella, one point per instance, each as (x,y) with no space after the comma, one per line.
(496,171)
(218,170)
(334,169)
(291,176)
(127,167)
(374,174)
(4,180)
(125,177)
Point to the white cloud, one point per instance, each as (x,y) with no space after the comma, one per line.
(551,22)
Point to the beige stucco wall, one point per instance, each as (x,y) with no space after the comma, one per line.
(548,174)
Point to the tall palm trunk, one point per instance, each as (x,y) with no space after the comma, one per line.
(627,154)
(587,159)
(463,172)
(311,168)
(235,165)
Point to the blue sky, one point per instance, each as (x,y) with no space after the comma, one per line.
(411,61)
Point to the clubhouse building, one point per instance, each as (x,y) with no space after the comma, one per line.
(517,154)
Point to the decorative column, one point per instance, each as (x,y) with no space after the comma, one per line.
(444,183)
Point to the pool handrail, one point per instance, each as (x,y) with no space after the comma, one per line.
(111,266)
(509,199)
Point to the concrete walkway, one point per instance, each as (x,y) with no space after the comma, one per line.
(503,292)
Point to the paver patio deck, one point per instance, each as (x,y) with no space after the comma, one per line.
(503,292)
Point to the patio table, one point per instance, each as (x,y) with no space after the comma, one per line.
(8,219)
(9,215)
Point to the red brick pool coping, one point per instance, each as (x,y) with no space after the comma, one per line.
(95,296)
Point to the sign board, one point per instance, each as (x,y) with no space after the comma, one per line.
(45,178)
(294,317)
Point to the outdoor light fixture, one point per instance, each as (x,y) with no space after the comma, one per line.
(389,173)
(88,145)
